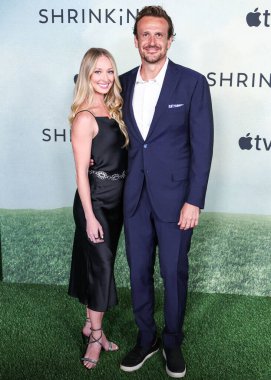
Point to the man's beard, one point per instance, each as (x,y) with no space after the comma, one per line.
(152,59)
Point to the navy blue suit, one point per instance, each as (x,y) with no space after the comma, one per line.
(166,170)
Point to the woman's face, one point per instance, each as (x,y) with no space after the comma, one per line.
(103,76)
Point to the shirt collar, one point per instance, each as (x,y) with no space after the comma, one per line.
(158,79)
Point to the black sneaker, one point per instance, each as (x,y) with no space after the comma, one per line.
(175,364)
(137,357)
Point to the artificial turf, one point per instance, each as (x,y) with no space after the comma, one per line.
(226,336)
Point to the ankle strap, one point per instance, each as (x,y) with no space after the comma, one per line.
(100,329)
(92,339)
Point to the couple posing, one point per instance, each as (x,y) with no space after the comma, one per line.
(159,142)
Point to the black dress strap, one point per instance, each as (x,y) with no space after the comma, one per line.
(84,111)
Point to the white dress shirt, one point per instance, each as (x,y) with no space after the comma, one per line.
(146,94)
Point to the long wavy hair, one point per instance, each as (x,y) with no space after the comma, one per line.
(83,92)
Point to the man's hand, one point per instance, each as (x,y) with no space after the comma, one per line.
(189,216)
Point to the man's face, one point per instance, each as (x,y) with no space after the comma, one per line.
(152,39)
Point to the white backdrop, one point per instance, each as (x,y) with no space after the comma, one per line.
(40,56)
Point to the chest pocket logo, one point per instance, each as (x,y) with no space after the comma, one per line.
(175,105)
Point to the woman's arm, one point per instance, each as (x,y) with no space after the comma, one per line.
(84,129)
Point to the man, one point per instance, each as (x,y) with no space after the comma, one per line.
(168,113)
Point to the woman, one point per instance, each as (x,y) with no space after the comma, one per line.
(98,133)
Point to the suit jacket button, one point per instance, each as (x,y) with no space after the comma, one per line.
(145,146)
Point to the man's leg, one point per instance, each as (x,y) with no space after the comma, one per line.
(140,244)
(174,245)
(140,249)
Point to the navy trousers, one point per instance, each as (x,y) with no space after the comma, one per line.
(143,230)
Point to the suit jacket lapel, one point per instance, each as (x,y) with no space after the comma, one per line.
(129,100)
(167,89)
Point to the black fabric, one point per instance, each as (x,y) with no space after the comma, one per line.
(92,269)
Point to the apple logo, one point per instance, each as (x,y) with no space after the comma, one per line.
(253,19)
(245,142)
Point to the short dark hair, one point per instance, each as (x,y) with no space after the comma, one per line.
(155,11)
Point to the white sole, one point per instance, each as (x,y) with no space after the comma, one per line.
(136,367)
(176,375)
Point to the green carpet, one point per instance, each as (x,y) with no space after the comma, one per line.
(229,253)
(227,336)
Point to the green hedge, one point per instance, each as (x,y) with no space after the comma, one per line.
(229,253)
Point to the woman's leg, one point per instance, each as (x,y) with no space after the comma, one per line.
(87,327)
(97,340)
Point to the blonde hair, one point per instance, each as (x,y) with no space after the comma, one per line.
(83,91)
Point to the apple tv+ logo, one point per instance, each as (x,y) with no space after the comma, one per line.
(245,143)
(253,18)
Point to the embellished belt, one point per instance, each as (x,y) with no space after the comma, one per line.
(103,175)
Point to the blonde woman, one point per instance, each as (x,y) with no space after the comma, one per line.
(98,133)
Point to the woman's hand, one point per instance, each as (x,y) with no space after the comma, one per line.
(94,230)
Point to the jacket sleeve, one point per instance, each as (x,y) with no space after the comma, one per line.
(201,142)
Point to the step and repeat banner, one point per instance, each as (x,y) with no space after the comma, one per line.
(42,44)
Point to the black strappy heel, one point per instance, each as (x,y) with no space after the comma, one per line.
(93,340)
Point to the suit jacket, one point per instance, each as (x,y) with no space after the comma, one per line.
(175,158)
